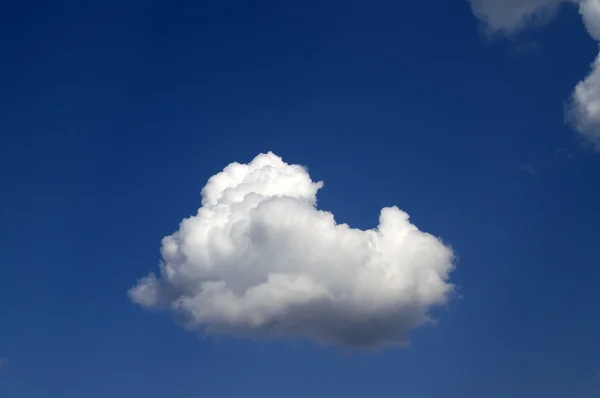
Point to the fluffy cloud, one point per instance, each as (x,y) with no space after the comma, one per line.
(509,16)
(584,110)
(260,260)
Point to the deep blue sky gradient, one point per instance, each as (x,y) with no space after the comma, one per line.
(114,114)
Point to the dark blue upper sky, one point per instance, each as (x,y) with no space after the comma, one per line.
(114,114)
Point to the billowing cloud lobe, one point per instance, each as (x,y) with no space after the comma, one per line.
(260,260)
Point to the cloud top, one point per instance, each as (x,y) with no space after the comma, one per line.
(259,259)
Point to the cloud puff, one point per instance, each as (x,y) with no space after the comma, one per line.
(509,16)
(260,260)
(584,110)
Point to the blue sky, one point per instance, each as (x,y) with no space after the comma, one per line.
(114,115)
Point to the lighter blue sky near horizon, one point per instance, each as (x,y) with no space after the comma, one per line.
(113,115)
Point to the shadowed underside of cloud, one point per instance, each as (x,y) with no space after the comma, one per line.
(509,16)
(259,259)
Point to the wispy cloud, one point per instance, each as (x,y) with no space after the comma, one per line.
(524,48)
(558,158)
(529,168)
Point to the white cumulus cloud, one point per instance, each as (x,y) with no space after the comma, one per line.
(509,16)
(259,259)
(584,110)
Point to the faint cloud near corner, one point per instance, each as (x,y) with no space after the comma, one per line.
(523,48)
(557,159)
(529,168)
